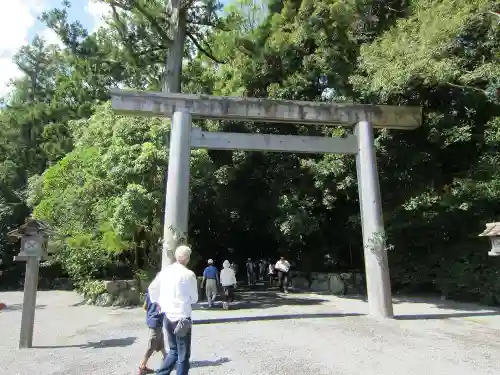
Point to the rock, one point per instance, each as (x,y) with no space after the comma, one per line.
(44,284)
(130,297)
(336,285)
(144,285)
(104,300)
(320,283)
(62,284)
(134,296)
(300,282)
(114,287)
(132,284)
(360,279)
(327,282)
(354,283)
(121,300)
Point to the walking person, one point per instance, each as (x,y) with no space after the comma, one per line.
(270,273)
(234,266)
(228,282)
(262,269)
(283,266)
(291,271)
(210,281)
(154,320)
(250,271)
(175,289)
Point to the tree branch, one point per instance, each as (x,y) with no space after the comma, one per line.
(113,3)
(203,50)
(464,87)
(200,23)
(122,32)
(166,39)
(144,12)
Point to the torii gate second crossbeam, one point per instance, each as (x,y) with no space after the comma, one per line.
(184,107)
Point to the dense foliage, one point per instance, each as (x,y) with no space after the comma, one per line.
(99,178)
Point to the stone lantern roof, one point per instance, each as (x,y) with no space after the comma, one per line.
(30,227)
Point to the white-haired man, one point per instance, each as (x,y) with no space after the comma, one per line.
(175,289)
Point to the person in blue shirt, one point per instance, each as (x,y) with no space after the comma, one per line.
(210,281)
(154,320)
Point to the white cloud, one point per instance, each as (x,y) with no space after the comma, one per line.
(98,11)
(51,37)
(16,18)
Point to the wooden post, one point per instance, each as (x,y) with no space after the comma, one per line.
(29,301)
(34,239)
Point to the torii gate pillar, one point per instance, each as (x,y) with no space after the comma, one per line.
(378,284)
(177,197)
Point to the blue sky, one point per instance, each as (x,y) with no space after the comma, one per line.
(19,24)
(81,10)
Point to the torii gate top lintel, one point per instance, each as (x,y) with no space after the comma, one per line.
(164,104)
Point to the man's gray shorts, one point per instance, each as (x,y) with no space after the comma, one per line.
(211,289)
(156,341)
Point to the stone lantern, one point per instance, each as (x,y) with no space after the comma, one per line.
(493,232)
(34,235)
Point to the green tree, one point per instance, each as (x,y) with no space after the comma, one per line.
(106,197)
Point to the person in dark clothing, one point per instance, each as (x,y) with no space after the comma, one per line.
(250,271)
(154,320)
(262,269)
(282,266)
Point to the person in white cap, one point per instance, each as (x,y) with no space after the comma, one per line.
(210,281)
(228,282)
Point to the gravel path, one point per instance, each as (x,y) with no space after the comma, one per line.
(267,334)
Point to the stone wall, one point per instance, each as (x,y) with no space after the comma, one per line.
(120,293)
(58,283)
(332,283)
(124,293)
(131,292)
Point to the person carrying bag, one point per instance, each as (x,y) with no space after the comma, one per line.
(174,290)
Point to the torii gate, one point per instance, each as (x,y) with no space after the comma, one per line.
(183,108)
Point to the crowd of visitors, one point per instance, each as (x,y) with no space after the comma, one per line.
(262,269)
(174,290)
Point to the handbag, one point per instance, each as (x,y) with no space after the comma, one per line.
(183,327)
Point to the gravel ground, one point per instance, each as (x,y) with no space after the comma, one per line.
(267,334)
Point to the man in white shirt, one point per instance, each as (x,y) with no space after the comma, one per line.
(175,289)
(282,266)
